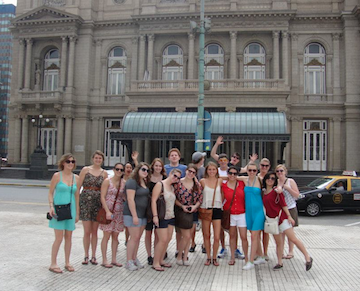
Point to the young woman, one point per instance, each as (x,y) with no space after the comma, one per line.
(63,183)
(128,171)
(112,200)
(237,212)
(291,193)
(158,173)
(212,198)
(254,214)
(91,178)
(137,195)
(164,227)
(274,202)
(188,198)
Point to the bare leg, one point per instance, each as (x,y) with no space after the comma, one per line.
(222,238)
(114,246)
(233,235)
(244,242)
(193,233)
(59,234)
(184,244)
(279,246)
(255,236)
(104,244)
(217,230)
(68,236)
(266,239)
(86,238)
(160,246)
(292,237)
(148,234)
(206,237)
(132,245)
(94,238)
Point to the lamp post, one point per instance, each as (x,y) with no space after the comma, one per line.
(1,139)
(38,124)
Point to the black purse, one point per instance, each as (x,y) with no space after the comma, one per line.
(63,211)
(160,205)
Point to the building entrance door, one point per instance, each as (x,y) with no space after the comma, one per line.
(114,151)
(48,143)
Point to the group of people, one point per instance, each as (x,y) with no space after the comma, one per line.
(162,198)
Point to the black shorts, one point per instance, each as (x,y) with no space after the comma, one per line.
(217,213)
(149,225)
(164,223)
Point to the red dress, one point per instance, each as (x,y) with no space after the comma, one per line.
(273,208)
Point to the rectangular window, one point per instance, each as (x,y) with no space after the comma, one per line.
(116,81)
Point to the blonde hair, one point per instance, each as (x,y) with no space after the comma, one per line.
(62,160)
(99,153)
(282,166)
(252,164)
(265,160)
(211,164)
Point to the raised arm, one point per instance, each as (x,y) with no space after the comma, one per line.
(213,153)
(134,156)
(252,158)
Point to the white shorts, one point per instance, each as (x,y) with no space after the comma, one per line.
(238,220)
(285,225)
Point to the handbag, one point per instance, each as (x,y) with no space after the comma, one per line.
(183,219)
(225,219)
(101,215)
(271,225)
(206,213)
(160,205)
(63,211)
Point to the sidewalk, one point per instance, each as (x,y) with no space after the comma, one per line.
(26,241)
(24,182)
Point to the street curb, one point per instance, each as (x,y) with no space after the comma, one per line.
(25,185)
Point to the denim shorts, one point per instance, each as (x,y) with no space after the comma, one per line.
(164,223)
(128,221)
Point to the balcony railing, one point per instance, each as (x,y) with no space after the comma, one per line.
(41,96)
(213,85)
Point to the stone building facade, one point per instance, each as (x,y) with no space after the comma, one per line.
(84,65)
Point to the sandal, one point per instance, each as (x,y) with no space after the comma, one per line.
(277,267)
(159,269)
(93,261)
(165,265)
(207,262)
(56,270)
(215,262)
(231,263)
(70,268)
(288,257)
(86,261)
(116,264)
(108,266)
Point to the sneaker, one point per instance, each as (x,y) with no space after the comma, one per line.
(131,266)
(222,253)
(179,262)
(150,260)
(267,258)
(239,255)
(138,264)
(249,266)
(186,263)
(203,250)
(192,249)
(259,260)
(277,267)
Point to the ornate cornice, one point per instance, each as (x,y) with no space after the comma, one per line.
(172,63)
(314,62)
(254,62)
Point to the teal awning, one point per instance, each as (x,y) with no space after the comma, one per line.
(182,125)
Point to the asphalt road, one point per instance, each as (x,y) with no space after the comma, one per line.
(35,200)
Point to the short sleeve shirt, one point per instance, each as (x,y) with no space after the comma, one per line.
(181,167)
(141,198)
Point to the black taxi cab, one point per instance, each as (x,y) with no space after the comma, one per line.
(330,192)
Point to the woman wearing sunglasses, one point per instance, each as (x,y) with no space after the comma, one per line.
(63,183)
(164,227)
(274,202)
(137,195)
(254,214)
(188,198)
(91,179)
(234,190)
(158,174)
(291,193)
(112,200)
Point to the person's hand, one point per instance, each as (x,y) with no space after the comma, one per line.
(52,211)
(278,189)
(253,157)
(185,208)
(193,207)
(77,218)
(109,215)
(291,220)
(135,220)
(219,140)
(156,221)
(134,155)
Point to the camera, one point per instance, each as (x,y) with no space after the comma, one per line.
(188,209)
(48,216)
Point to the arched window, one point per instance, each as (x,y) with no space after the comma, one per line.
(116,71)
(51,70)
(314,69)
(254,61)
(172,63)
(214,62)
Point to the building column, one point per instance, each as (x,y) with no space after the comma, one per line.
(191,63)
(285,57)
(301,74)
(296,144)
(294,63)
(25,140)
(71,61)
(97,78)
(141,58)
(147,151)
(21,63)
(275,55)
(328,75)
(63,64)
(68,134)
(150,60)
(17,139)
(104,73)
(338,146)
(233,62)
(29,43)
(134,58)
(95,132)
(241,66)
(60,137)
(336,63)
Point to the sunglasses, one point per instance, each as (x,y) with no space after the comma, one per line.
(236,157)
(271,178)
(192,172)
(119,169)
(223,160)
(145,170)
(177,177)
(252,170)
(262,165)
(232,173)
(70,161)
(279,171)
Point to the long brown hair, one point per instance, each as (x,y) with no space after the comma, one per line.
(163,172)
(135,174)
(211,164)
(192,166)
(63,158)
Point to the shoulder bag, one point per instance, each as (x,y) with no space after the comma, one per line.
(160,205)
(206,213)
(101,215)
(271,225)
(63,211)
(225,219)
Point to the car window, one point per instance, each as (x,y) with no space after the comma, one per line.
(320,182)
(340,185)
(355,184)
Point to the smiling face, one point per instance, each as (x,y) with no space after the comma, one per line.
(251,170)
(191,173)
(157,167)
(232,174)
(280,172)
(264,167)
(128,169)
(69,163)
(271,180)
(118,170)
(98,160)
(211,171)
(143,172)
(234,159)
(175,177)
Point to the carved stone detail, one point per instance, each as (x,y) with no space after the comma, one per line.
(233,34)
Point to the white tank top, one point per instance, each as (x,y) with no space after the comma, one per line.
(208,194)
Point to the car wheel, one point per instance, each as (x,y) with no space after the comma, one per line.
(313,208)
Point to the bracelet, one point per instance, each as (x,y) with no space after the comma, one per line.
(155,216)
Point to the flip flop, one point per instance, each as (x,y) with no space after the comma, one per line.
(231,262)
(93,261)
(70,268)
(117,264)
(207,262)
(166,265)
(288,257)
(56,270)
(86,261)
(108,266)
(159,269)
